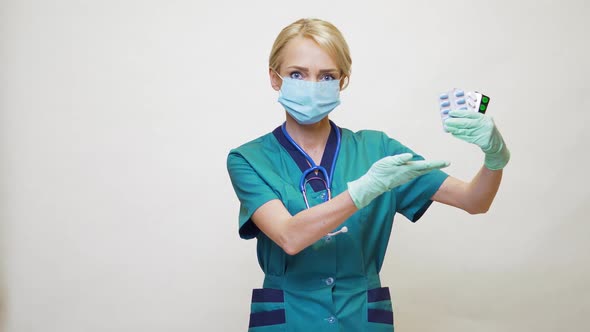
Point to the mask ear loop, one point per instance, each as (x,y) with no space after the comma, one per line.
(281,77)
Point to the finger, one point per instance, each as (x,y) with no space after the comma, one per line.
(465,132)
(460,123)
(400,159)
(395,160)
(438,164)
(428,165)
(465,114)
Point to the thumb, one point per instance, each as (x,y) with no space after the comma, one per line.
(437,164)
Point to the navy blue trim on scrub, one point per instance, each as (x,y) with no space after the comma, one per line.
(327,157)
(265,318)
(267,295)
(421,212)
(378,294)
(272,317)
(380,316)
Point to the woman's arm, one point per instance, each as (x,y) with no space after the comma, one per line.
(475,196)
(295,233)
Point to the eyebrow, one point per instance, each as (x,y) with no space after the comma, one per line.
(332,70)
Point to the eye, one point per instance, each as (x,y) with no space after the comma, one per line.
(296,75)
(327,77)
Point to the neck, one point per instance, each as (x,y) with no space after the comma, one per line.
(311,138)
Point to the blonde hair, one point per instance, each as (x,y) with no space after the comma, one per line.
(325,34)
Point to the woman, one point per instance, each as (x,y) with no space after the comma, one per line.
(321,199)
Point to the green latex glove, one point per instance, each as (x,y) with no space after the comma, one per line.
(388,173)
(480,130)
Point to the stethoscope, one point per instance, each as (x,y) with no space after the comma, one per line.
(327,180)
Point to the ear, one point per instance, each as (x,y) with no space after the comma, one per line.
(344,83)
(275,80)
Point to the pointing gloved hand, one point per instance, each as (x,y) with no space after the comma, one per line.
(388,173)
(480,130)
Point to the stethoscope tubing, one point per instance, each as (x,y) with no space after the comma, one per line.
(314,167)
(327,176)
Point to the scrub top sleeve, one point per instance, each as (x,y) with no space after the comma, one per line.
(414,197)
(251,190)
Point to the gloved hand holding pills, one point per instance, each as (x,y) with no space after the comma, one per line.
(463,116)
(457,99)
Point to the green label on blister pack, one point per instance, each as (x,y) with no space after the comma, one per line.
(485,100)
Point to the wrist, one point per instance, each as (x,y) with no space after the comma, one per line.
(362,192)
(497,160)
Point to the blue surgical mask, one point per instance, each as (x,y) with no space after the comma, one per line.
(309,102)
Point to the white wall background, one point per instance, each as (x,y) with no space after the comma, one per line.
(116,117)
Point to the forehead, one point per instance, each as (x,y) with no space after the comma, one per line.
(301,51)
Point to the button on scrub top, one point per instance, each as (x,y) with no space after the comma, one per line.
(332,285)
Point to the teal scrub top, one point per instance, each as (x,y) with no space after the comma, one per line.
(332,285)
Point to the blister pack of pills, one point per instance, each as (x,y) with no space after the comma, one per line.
(458,99)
